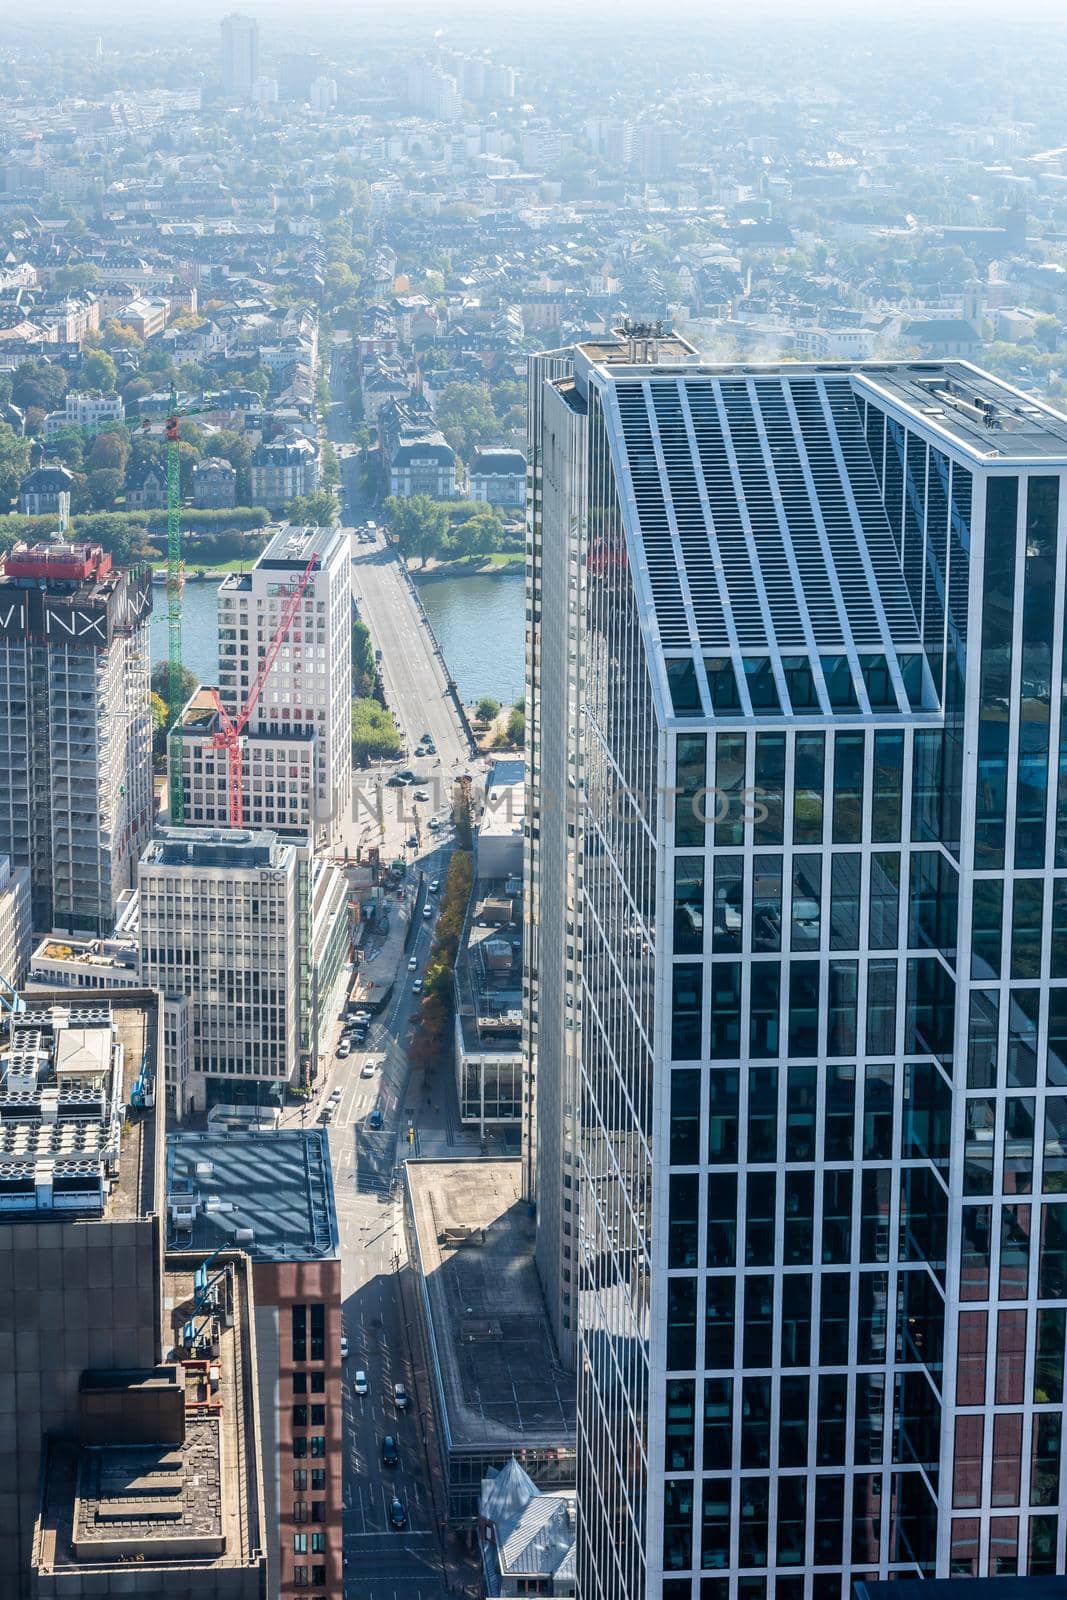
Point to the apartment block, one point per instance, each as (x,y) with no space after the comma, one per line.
(220,923)
(297,748)
(799,974)
(272,1194)
(75,730)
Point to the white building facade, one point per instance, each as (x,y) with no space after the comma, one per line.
(220,923)
(818,914)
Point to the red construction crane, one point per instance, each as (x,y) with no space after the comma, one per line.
(229,735)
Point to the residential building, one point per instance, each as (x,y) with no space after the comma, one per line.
(93,1322)
(273,1194)
(214,484)
(423,463)
(282,469)
(240,55)
(296,760)
(146,486)
(89,411)
(75,732)
(146,317)
(496,1386)
(813,692)
(526,1534)
(15,922)
(41,489)
(220,922)
(498,477)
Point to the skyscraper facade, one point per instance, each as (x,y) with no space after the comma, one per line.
(75,729)
(809,917)
(240,55)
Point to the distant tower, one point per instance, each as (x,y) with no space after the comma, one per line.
(240,55)
(973,301)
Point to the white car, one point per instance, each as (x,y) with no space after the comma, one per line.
(359,1382)
(367,1069)
(435,884)
(420,794)
(344,1347)
(416,987)
(400,1397)
(413,963)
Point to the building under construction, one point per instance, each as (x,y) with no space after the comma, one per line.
(75,729)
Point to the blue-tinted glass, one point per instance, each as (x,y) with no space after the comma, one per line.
(998,620)
(688,905)
(839,685)
(887,787)
(762,689)
(808,778)
(879,684)
(800,684)
(691,766)
(1039,587)
(685,695)
(725,699)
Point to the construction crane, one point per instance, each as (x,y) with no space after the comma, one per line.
(229,733)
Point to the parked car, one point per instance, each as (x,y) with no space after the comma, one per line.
(420,794)
(359,1382)
(427,911)
(344,1347)
(413,841)
(397,1515)
(400,1397)
(390,1453)
(375,1118)
(326,1114)
(344,1049)
(435,884)
(412,963)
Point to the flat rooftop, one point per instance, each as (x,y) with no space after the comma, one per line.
(242,848)
(296,546)
(72,1141)
(186,1502)
(269,1193)
(498,1374)
(489,968)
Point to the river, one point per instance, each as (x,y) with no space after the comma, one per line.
(479,626)
(478,622)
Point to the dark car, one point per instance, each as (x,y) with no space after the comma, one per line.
(390,1453)
(397,1515)
(375,1118)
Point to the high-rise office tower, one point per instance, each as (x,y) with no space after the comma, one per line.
(240,55)
(297,747)
(220,922)
(799,856)
(75,729)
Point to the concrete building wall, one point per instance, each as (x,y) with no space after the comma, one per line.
(72,1295)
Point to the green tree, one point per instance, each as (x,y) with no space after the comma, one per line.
(160,719)
(103,487)
(331,467)
(14,464)
(161,686)
(120,336)
(76,276)
(479,536)
(516,731)
(318,510)
(109,450)
(419,523)
(67,444)
(112,529)
(38,384)
(99,372)
(466,418)
(374,733)
(487,708)
(1046,332)
(364,667)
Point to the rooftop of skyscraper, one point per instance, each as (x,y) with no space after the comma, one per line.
(243,848)
(80,1121)
(271,1194)
(497,1371)
(166,1473)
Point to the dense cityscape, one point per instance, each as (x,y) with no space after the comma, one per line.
(533,803)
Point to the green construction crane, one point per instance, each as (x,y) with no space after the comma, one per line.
(175,585)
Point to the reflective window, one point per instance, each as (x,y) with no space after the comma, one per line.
(762,689)
(725,1044)
(806,902)
(767,903)
(845,900)
(879,684)
(729,782)
(762,1114)
(987,906)
(690,780)
(718,1425)
(1039,586)
(685,1117)
(839,685)
(803,1008)
(764,1009)
(685,695)
(718,1322)
(841,1009)
(998,616)
(983,1033)
(800,683)
(848,788)
(686,1012)
(881,1008)
(768,809)
(722,1117)
(808,777)
(883,931)
(688,905)
(729,905)
(722,1219)
(725,699)
(1027,908)
(887,787)
(1056,1057)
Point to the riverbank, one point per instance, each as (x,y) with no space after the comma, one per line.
(505,564)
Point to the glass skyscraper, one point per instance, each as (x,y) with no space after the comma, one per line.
(797,990)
